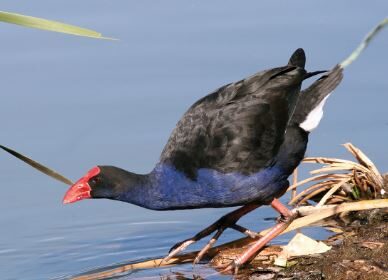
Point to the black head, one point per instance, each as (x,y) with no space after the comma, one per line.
(101,182)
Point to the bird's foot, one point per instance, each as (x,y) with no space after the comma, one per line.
(179,247)
(227,221)
(287,217)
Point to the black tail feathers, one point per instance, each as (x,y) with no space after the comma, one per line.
(298,58)
(310,74)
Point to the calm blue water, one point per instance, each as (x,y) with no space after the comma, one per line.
(72,103)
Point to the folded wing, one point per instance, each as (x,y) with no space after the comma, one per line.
(239,127)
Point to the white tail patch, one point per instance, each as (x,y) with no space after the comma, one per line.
(314,117)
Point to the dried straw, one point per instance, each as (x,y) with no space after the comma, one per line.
(340,180)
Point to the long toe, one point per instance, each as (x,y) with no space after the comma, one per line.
(208,245)
(178,245)
(177,248)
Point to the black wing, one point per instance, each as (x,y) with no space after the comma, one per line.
(239,127)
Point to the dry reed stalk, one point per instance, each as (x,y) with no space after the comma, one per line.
(340,180)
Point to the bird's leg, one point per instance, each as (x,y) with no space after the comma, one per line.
(228,220)
(214,239)
(287,217)
(208,245)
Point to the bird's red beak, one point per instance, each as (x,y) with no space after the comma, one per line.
(78,191)
(81,189)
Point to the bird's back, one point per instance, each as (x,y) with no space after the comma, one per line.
(239,127)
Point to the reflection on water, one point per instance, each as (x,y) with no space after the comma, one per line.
(72,103)
(181,272)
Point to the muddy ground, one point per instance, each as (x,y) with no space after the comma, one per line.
(359,252)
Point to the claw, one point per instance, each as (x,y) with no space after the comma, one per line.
(231,268)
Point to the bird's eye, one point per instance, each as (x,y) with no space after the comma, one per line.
(94,180)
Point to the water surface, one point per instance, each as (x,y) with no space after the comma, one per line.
(73,103)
